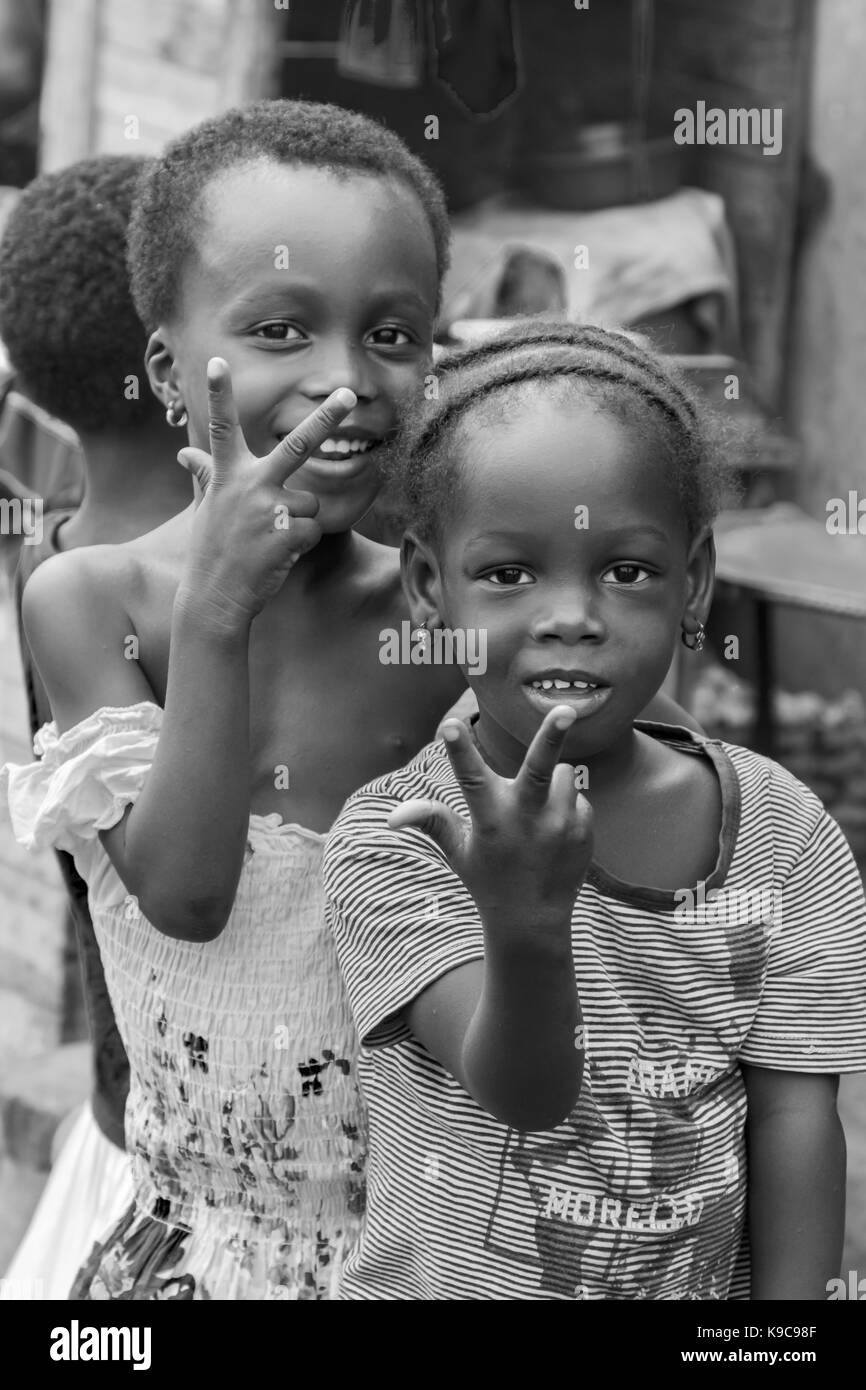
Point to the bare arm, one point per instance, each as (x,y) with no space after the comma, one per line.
(508,1027)
(179,849)
(796,1155)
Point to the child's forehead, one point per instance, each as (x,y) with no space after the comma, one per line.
(537,458)
(268,205)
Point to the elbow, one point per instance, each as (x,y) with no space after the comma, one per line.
(535,1114)
(537,1120)
(196,920)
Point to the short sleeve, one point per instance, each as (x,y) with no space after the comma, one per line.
(401,918)
(812,1012)
(85,778)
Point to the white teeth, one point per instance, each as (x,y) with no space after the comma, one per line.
(562,685)
(345,446)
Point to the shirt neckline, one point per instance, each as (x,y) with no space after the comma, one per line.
(643,894)
(689,741)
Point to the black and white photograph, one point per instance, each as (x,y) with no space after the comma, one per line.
(432,667)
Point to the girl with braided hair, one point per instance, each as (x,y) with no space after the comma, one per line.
(580,1084)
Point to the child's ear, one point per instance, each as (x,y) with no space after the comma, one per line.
(419,570)
(701,572)
(161,370)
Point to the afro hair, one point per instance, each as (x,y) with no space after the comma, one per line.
(167,212)
(67,318)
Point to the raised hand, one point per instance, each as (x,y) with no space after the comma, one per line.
(250,528)
(525,851)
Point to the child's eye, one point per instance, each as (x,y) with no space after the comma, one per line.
(390,336)
(278,332)
(627,574)
(508,575)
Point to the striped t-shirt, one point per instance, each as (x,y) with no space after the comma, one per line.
(641,1192)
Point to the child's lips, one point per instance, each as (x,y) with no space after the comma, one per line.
(340,447)
(336,461)
(585,699)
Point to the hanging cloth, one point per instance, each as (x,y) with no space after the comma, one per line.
(476,52)
(383,42)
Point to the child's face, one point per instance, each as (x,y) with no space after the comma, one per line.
(304,282)
(563,593)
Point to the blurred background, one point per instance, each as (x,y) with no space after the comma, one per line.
(553,128)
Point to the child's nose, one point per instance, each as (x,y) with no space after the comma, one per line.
(569,617)
(336,363)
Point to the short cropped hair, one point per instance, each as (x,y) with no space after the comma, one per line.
(67,318)
(168,211)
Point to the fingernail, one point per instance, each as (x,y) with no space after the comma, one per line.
(450,732)
(345,398)
(565,718)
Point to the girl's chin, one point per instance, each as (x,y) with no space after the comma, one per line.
(341,514)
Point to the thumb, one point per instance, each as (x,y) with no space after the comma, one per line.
(443,825)
(199,464)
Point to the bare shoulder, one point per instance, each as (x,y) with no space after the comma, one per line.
(76,612)
(84,582)
(106,580)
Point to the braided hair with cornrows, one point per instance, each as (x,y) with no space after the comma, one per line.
(618,373)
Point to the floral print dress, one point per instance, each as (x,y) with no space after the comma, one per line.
(244,1122)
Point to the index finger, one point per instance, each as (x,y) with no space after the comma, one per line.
(226,438)
(295,449)
(542,755)
(473,775)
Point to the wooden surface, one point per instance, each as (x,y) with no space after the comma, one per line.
(784,556)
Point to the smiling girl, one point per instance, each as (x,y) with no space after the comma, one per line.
(218,692)
(575,1090)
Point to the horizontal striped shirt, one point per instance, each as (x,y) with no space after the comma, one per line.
(641,1192)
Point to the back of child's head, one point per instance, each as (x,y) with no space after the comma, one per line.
(67,317)
(169,213)
(615,372)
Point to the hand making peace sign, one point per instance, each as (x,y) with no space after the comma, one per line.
(250,528)
(524,854)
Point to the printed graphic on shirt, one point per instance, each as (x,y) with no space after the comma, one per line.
(636,1195)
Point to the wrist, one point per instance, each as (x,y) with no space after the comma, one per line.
(214,618)
(540,922)
(535,937)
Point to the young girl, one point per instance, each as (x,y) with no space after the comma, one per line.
(599,1048)
(218,692)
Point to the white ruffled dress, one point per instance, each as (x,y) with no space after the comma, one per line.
(244,1122)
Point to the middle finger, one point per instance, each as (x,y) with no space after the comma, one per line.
(533,779)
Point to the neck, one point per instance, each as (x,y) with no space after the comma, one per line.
(133,483)
(609,769)
(333,554)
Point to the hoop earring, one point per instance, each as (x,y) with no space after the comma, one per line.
(699,638)
(175,417)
